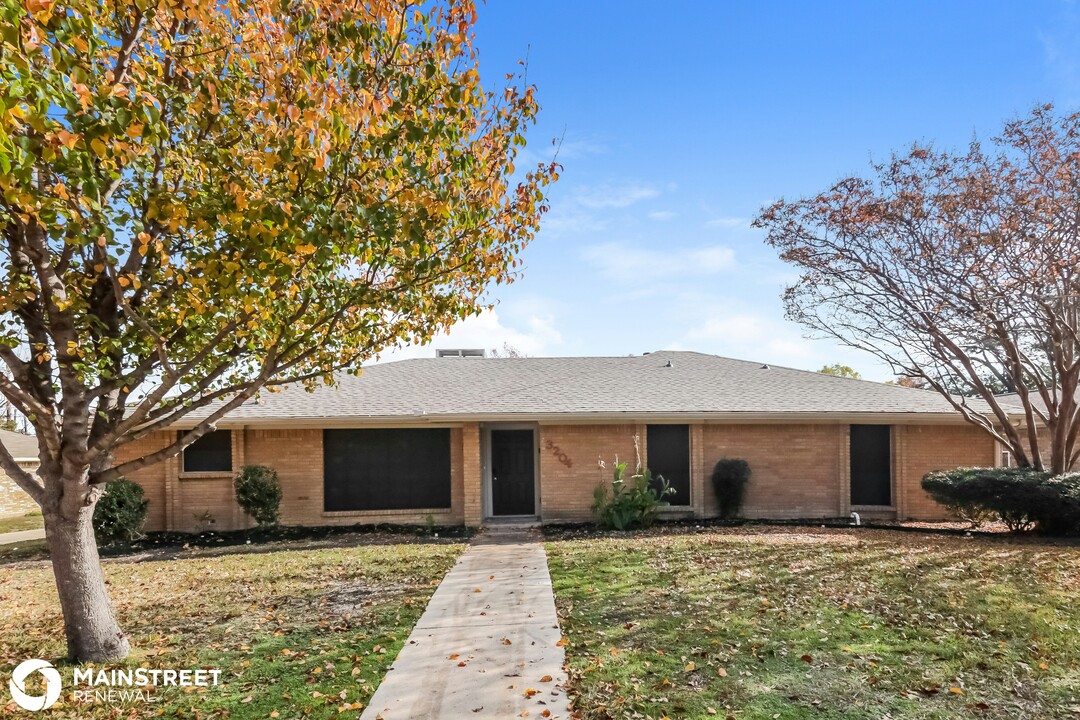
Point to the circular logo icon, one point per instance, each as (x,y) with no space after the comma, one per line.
(17,685)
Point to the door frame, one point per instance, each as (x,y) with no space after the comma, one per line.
(485,467)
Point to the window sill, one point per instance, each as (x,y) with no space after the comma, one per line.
(436,512)
(209,475)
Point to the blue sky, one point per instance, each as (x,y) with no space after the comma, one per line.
(682,119)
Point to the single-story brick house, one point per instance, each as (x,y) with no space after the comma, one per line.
(465,440)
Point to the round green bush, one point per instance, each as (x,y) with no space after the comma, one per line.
(120,512)
(258,493)
(729,479)
(1023,498)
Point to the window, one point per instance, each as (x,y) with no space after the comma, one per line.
(386,469)
(210,453)
(871,465)
(668,450)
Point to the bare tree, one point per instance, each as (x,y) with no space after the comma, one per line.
(508,351)
(959,269)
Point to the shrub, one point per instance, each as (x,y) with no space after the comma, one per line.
(630,503)
(729,479)
(258,493)
(120,512)
(1023,498)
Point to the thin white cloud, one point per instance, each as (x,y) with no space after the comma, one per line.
(752,336)
(486,331)
(603,197)
(728,222)
(1061,53)
(559,150)
(626,263)
(660,215)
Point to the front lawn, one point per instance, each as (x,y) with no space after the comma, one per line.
(296,632)
(814,623)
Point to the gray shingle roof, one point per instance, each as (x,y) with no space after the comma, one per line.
(694,385)
(21,446)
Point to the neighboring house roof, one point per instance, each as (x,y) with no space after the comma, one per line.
(21,446)
(1034,397)
(666,384)
(1013,399)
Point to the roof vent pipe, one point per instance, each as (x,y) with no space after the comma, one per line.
(669,364)
(764,367)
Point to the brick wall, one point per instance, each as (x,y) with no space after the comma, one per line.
(923,448)
(151,477)
(566,493)
(300,470)
(798,471)
(197,502)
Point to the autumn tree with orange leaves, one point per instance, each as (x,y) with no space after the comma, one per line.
(962,271)
(205,200)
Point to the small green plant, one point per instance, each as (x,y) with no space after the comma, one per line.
(258,493)
(729,479)
(632,502)
(120,512)
(429,524)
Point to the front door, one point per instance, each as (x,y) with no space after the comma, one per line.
(513,459)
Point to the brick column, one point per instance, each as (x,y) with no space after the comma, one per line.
(844,451)
(172,491)
(474,498)
(698,472)
(239,459)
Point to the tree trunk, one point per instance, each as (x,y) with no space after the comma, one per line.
(93,635)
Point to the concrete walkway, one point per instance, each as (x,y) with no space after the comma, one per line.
(21,536)
(487,645)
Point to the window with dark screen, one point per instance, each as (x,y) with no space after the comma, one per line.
(668,450)
(210,453)
(871,465)
(386,469)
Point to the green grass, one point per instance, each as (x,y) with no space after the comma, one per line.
(15,523)
(796,623)
(303,633)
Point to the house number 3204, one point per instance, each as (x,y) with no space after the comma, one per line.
(558,453)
